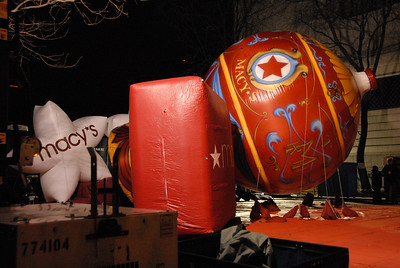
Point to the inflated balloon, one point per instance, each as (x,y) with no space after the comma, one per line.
(297,107)
(115,121)
(119,151)
(64,159)
(181,153)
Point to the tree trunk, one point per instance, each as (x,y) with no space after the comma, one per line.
(362,171)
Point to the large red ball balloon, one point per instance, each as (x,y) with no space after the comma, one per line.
(296,104)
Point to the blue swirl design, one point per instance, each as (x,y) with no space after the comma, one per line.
(334,98)
(315,53)
(278,112)
(317,125)
(257,39)
(343,125)
(274,138)
(216,86)
(321,64)
(286,113)
(238,42)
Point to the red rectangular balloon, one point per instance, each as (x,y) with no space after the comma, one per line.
(181,152)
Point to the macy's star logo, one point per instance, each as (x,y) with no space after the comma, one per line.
(272,67)
(215,155)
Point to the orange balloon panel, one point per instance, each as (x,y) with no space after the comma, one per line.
(119,150)
(296,104)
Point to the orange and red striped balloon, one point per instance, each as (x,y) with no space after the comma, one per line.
(296,104)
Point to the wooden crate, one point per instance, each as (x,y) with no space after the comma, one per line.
(57,235)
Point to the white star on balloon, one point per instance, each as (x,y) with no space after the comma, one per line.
(215,157)
(64,159)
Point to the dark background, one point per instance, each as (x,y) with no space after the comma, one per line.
(157,40)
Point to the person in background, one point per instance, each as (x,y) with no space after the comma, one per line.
(395,180)
(376,179)
(387,173)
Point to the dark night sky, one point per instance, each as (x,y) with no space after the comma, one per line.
(145,46)
(99,85)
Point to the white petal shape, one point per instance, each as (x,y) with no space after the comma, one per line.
(85,168)
(116,121)
(59,183)
(51,122)
(64,158)
(91,129)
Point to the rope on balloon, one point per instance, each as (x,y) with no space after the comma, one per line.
(322,148)
(305,139)
(324,165)
(340,187)
(258,178)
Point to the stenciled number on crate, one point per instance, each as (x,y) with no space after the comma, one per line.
(44,246)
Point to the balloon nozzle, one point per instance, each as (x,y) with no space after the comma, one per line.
(365,81)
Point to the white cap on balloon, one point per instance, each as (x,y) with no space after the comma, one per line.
(365,81)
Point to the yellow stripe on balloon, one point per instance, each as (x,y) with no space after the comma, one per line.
(328,100)
(351,94)
(243,124)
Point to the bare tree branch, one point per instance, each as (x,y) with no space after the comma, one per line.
(365,23)
(35,24)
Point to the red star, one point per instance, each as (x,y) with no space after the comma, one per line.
(272,67)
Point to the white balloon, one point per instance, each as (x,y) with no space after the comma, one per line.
(64,159)
(116,121)
(92,126)
(59,183)
(86,175)
(49,121)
